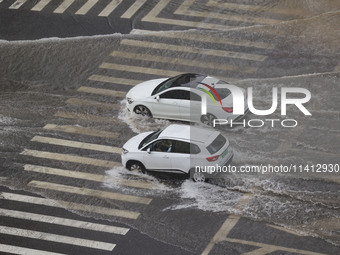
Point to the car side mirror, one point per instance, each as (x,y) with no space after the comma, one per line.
(148,150)
(157,97)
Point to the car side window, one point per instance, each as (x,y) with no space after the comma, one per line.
(176,94)
(194,97)
(182,147)
(194,149)
(164,145)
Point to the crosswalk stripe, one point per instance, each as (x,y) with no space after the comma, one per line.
(203,51)
(107,92)
(90,192)
(210,38)
(86,7)
(110,8)
(41,5)
(86,117)
(27,251)
(89,176)
(115,80)
(138,69)
(75,144)
(69,205)
(179,61)
(70,158)
(152,17)
(82,102)
(63,6)
(81,130)
(63,221)
(56,238)
(133,9)
(184,10)
(17,4)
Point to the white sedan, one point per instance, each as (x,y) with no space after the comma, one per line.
(177,149)
(180,98)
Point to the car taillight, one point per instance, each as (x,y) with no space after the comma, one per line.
(228,109)
(214,158)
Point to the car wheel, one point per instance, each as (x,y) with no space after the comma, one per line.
(135,166)
(208,119)
(197,176)
(143,110)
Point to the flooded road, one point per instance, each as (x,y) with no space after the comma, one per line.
(63,122)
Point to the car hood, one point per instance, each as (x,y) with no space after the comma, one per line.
(133,143)
(144,89)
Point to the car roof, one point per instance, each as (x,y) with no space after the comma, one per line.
(189,133)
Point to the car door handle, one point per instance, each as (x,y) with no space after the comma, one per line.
(165,156)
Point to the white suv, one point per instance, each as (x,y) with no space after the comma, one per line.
(177,149)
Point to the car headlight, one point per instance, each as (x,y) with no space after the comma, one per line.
(130,100)
(125,151)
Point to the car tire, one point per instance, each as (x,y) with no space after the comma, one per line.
(135,166)
(197,176)
(143,110)
(208,119)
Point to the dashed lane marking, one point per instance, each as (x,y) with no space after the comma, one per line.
(63,6)
(56,238)
(41,5)
(27,251)
(70,205)
(82,102)
(86,117)
(90,192)
(70,158)
(210,38)
(81,130)
(107,92)
(17,4)
(115,80)
(133,9)
(63,221)
(75,144)
(191,49)
(86,7)
(90,177)
(184,62)
(110,8)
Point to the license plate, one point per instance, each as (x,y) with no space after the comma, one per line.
(224,153)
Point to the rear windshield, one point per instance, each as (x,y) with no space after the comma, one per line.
(217,144)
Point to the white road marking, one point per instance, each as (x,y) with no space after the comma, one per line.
(26,251)
(108,92)
(133,9)
(261,251)
(70,158)
(210,38)
(184,62)
(17,4)
(69,205)
(63,6)
(86,117)
(56,238)
(90,192)
(63,221)
(285,230)
(114,80)
(272,247)
(81,130)
(82,102)
(90,177)
(75,144)
(110,8)
(86,7)
(195,50)
(41,5)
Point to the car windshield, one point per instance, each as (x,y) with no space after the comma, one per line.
(183,80)
(217,144)
(150,138)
